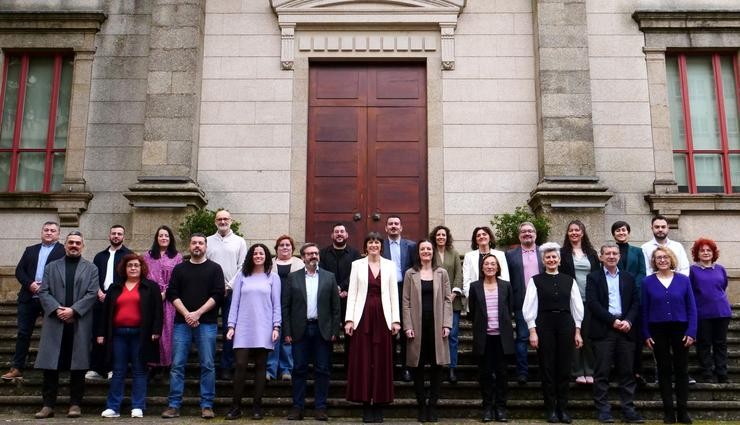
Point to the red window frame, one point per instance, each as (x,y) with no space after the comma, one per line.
(15,149)
(724,150)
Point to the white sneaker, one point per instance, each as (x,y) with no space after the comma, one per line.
(93,376)
(137,413)
(110,375)
(110,413)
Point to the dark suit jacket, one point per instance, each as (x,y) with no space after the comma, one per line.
(294,305)
(597,303)
(408,251)
(516,274)
(479,313)
(25,271)
(101,261)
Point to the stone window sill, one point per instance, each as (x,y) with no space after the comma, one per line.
(672,205)
(69,206)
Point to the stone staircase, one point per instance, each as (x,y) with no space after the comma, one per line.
(462,400)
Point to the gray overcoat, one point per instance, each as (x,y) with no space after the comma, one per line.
(51,296)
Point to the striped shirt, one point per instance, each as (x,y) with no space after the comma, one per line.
(492,311)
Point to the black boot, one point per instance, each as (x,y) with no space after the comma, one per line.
(377,413)
(367,413)
(432,411)
(487,414)
(421,410)
(257,410)
(451,376)
(669,416)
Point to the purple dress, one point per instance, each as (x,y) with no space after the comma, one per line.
(160,271)
(255,309)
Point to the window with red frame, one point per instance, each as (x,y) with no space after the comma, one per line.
(703,103)
(34,120)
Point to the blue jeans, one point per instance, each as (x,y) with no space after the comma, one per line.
(27,314)
(126,349)
(453,338)
(311,348)
(227,346)
(280,359)
(183,336)
(522,344)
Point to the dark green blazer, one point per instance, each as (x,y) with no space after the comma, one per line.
(294,306)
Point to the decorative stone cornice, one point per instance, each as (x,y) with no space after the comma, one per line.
(441,15)
(165,192)
(554,193)
(672,205)
(683,20)
(69,205)
(24,21)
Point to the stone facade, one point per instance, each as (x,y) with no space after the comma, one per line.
(557,104)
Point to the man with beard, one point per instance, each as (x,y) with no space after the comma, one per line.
(228,250)
(337,258)
(196,289)
(67,296)
(659,225)
(107,261)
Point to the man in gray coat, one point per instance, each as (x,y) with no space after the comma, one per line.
(68,292)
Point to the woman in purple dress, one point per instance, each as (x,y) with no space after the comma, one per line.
(161,258)
(254,324)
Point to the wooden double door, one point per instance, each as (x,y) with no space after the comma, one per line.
(367,149)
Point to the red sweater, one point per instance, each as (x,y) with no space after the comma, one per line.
(128,314)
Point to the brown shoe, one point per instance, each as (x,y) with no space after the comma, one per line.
(74,411)
(321,415)
(170,413)
(45,412)
(12,374)
(207,413)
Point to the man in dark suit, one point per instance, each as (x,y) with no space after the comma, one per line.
(310,312)
(29,272)
(524,262)
(402,252)
(612,299)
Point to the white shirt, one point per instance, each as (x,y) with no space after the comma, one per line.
(109,269)
(530,307)
(683,259)
(312,295)
(229,252)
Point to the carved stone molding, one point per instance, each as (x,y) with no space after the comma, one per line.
(373,15)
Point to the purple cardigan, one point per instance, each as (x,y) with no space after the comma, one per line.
(710,286)
(673,304)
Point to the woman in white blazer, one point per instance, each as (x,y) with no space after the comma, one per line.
(373,318)
(482,243)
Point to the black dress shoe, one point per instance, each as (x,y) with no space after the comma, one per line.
(669,418)
(451,377)
(640,380)
(684,418)
(521,380)
(488,414)
(500,415)
(633,418)
(552,417)
(565,417)
(295,414)
(406,375)
(421,412)
(606,418)
(234,413)
(257,412)
(432,413)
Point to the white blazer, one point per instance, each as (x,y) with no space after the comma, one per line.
(357,292)
(470,268)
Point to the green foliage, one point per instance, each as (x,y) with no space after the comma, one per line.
(506,226)
(203,221)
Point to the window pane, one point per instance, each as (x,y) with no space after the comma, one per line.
(703,103)
(735,172)
(675,104)
(30,172)
(38,98)
(730,97)
(708,170)
(65,93)
(681,172)
(10,103)
(4,170)
(57,172)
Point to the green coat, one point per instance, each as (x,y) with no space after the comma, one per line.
(453,265)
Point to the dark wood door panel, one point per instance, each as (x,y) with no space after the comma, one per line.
(397,85)
(338,85)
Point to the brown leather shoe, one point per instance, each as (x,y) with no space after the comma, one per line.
(207,413)
(170,413)
(321,415)
(12,374)
(45,412)
(74,411)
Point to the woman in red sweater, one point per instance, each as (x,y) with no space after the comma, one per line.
(131,326)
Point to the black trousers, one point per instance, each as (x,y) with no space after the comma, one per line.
(50,386)
(711,345)
(617,350)
(556,333)
(672,359)
(97,351)
(639,344)
(493,360)
(427,355)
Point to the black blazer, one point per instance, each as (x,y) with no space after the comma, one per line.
(516,274)
(25,271)
(150,308)
(567,266)
(294,305)
(597,303)
(101,261)
(479,313)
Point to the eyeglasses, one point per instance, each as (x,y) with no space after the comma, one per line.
(133,265)
(662,257)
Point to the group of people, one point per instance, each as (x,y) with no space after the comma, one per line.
(585,311)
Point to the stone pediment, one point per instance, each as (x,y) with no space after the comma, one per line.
(366,6)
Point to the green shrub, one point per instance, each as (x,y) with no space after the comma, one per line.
(203,221)
(506,226)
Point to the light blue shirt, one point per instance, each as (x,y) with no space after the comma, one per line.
(396,256)
(312,295)
(615,301)
(43,256)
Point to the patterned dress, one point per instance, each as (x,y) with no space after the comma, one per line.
(160,270)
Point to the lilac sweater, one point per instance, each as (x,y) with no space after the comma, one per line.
(673,304)
(710,286)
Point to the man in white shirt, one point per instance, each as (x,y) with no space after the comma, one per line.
(659,226)
(228,250)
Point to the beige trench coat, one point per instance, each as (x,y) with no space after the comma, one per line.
(411,308)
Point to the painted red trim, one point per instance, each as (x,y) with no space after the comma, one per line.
(15,160)
(682,75)
(50,132)
(720,98)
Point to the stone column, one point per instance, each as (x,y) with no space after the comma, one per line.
(167,189)
(568,187)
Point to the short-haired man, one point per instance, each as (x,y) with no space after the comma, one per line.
(523,262)
(67,296)
(196,289)
(613,301)
(228,250)
(402,252)
(659,226)
(107,262)
(310,309)
(29,272)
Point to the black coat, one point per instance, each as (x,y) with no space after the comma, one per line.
(567,266)
(479,314)
(151,319)
(25,271)
(101,261)
(516,274)
(597,303)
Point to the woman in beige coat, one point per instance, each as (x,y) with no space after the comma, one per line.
(427,319)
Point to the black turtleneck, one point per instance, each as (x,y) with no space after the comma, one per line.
(70,267)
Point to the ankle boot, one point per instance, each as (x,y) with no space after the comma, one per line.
(378,413)
(421,410)
(432,411)
(367,413)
